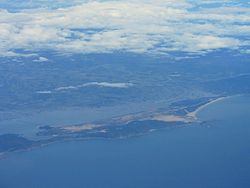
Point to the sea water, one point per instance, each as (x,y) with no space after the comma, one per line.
(215,154)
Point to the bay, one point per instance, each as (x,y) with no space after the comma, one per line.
(216,154)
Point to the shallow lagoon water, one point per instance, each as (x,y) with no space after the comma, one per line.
(28,123)
(214,155)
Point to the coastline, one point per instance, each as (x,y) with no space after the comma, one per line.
(169,145)
(194,115)
(176,120)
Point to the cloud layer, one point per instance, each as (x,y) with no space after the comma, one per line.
(160,26)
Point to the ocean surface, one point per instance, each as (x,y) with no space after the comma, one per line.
(214,155)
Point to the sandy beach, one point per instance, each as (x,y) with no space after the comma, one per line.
(193,115)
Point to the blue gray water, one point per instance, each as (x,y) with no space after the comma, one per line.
(210,156)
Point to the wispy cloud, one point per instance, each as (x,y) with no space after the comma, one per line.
(97,84)
(44,92)
(160,26)
(41,59)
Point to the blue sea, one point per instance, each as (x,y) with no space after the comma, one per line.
(214,155)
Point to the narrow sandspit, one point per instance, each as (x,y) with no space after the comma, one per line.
(193,115)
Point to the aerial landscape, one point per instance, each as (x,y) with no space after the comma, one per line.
(124,93)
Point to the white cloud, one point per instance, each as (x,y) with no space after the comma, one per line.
(98,84)
(44,92)
(41,59)
(112,85)
(246,51)
(159,26)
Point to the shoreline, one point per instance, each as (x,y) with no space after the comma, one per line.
(190,117)
(194,114)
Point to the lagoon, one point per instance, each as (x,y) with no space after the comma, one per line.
(216,154)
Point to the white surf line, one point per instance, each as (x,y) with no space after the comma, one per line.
(193,115)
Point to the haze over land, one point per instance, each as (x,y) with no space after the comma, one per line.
(114,70)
